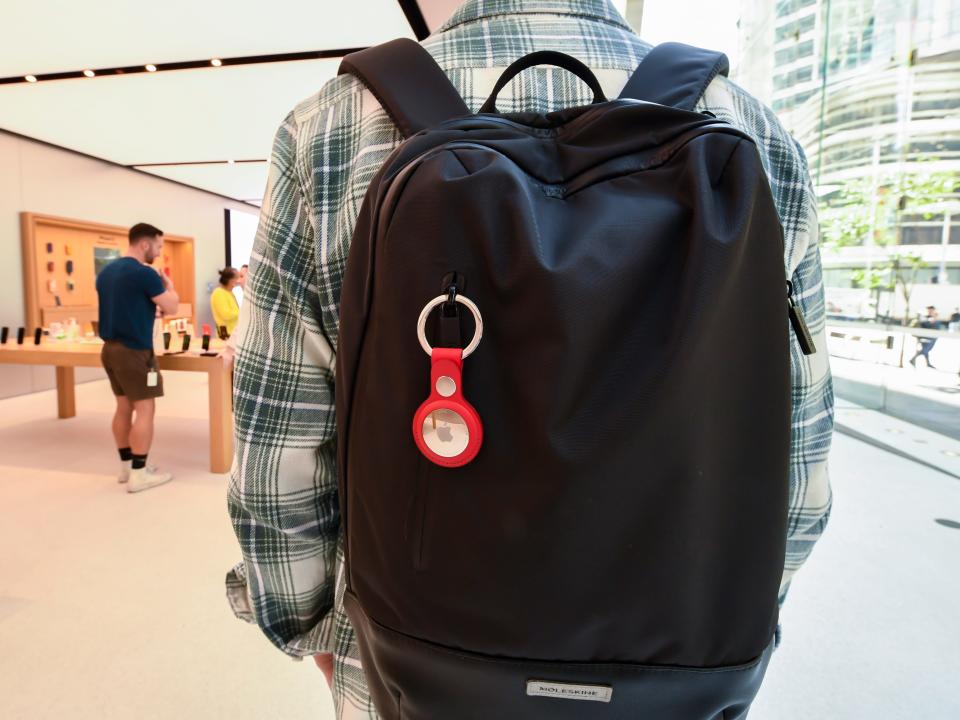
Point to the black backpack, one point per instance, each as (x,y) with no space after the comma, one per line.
(588,519)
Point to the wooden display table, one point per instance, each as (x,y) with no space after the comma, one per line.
(67,356)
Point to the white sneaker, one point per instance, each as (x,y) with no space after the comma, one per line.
(146,478)
(126,466)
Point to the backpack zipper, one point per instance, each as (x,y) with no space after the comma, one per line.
(799,323)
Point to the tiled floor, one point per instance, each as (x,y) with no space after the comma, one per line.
(111,606)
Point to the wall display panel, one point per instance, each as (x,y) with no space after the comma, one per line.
(61,260)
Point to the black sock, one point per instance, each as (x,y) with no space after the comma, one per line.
(125,454)
(139,461)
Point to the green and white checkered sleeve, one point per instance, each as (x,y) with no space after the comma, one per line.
(283,486)
(812,399)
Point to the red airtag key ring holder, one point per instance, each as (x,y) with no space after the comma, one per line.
(446,427)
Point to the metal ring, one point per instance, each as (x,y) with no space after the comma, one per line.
(439,300)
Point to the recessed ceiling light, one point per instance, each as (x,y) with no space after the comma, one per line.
(216,62)
(151,68)
(89,73)
(30,78)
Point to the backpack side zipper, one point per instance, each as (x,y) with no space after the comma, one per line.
(799,323)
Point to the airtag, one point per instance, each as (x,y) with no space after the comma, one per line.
(446,427)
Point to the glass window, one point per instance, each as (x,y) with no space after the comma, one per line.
(793,53)
(940,148)
(921,235)
(788,7)
(937,103)
(920,217)
(795,29)
(788,103)
(793,77)
(838,277)
(927,275)
(858,114)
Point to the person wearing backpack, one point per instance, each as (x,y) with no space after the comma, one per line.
(532,399)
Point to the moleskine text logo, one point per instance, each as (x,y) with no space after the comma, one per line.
(567,691)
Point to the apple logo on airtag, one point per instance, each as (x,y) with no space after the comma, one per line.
(445,432)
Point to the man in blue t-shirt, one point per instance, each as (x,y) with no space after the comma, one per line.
(130,293)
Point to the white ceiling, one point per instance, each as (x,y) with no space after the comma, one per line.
(181,116)
(244,181)
(39,36)
(227,113)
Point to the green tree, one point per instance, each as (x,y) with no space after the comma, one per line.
(852,213)
(877,280)
(904,267)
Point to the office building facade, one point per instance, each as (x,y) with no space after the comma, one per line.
(871,89)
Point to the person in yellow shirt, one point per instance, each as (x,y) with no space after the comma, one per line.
(224,305)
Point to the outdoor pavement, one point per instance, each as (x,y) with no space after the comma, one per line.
(868,374)
(871,628)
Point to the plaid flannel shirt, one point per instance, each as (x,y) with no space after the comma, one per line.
(283,486)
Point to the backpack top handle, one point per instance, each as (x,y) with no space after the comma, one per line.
(417,94)
(545,57)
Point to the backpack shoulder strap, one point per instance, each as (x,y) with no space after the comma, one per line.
(675,74)
(407,81)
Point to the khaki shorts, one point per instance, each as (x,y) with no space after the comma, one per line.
(127,369)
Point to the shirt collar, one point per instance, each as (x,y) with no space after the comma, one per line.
(472,10)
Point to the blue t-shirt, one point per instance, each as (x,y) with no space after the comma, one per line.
(126,288)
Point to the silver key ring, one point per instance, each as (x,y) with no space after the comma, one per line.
(439,300)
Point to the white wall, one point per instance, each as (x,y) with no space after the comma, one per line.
(38,178)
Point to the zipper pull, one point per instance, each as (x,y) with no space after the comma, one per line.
(799,323)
